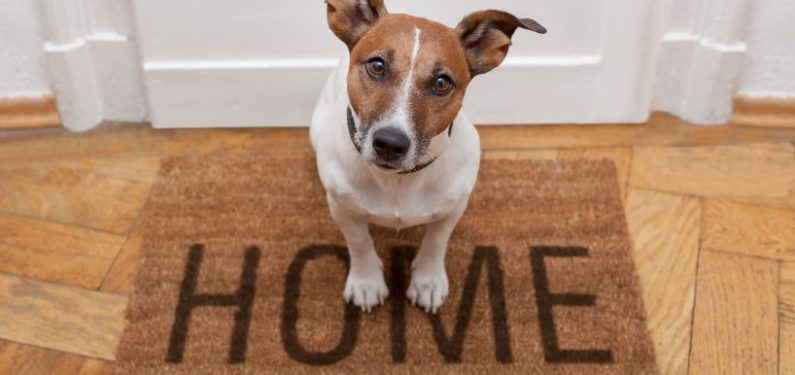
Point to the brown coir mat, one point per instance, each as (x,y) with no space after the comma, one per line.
(242,271)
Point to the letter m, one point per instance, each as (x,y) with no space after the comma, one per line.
(451,347)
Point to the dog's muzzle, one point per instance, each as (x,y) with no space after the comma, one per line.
(390,144)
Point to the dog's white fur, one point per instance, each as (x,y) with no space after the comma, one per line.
(359,192)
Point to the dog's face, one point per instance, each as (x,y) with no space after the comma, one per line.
(408,76)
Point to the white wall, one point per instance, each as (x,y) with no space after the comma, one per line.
(770,63)
(22,65)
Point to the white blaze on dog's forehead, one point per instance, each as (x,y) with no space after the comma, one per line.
(415,51)
(402,116)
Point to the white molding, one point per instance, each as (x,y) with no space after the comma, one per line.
(74,83)
(700,66)
(94,72)
(547,61)
(70,65)
(705,42)
(542,61)
(244,93)
(241,64)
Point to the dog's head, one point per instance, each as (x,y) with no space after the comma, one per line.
(408,75)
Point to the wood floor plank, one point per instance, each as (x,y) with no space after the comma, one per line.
(127,140)
(749,229)
(58,317)
(735,328)
(28,360)
(101,178)
(141,168)
(787,318)
(122,274)
(661,130)
(665,234)
(104,196)
(757,173)
(620,156)
(56,252)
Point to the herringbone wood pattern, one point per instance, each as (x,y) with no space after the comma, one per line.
(711,212)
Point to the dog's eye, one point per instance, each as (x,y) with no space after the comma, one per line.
(442,85)
(376,68)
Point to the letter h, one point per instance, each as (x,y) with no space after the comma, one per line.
(243,298)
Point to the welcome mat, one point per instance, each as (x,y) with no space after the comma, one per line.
(242,271)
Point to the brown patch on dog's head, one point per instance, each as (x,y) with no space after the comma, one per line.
(351,19)
(411,74)
(486,37)
(439,56)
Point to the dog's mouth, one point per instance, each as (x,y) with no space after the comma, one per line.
(395,166)
(385,166)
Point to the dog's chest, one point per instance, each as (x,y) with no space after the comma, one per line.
(396,205)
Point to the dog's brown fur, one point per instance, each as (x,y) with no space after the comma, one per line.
(478,45)
(392,39)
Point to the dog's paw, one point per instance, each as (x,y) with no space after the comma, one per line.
(428,286)
(366,289)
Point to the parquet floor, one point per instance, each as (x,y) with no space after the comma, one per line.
(711,211)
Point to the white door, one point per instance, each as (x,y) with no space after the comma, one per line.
(262,63)
(235,63)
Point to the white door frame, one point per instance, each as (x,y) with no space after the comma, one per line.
(93,62)
(703,52)
(691,55)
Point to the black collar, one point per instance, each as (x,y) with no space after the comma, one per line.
(352,133)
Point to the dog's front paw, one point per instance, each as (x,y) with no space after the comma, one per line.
(428,286)
(366,289)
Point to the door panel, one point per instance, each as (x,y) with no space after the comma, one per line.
(256,63)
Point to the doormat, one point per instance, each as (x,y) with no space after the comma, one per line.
(242,271)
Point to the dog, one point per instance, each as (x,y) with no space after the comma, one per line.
(392,144)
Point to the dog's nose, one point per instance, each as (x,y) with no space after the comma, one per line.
(390,144)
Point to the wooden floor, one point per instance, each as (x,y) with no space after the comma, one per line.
(711,211)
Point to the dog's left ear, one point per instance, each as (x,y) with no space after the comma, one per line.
(486,37)
(351,19)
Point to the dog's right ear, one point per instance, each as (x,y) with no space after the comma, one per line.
(351,19)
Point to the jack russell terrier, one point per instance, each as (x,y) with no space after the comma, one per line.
(393,146)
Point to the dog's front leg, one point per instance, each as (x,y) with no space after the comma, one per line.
(429,285)
(365,285)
